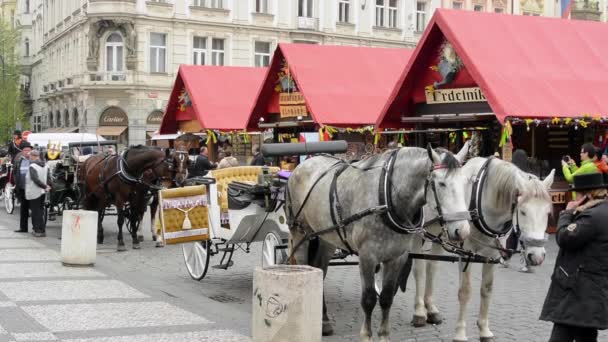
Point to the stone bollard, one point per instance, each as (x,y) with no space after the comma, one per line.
(287,304)
(79,238)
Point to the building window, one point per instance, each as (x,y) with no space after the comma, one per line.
(27,6)
(37,124)
(66,118)
(532,14)
(199,50)
(498,10)
(478,8)
(27,47)
(217,51)
(12,18)
(58,118)
(344,11)
(114,53)
(215,3)
(261,6)
(420,16)
(262,54)
(305,8)
(158,52)
(386,13)
(457,5)
(75,120)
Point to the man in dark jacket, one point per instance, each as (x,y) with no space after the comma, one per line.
(577,302)
(258,158)
(14,145)
(202,165)
(20,169)
(38,183)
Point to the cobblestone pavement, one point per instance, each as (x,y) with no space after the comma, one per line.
(147,295)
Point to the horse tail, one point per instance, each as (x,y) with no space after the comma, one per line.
(406,269)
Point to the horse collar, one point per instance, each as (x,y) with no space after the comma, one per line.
(475,206)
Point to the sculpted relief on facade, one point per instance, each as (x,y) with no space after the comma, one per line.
(97,30)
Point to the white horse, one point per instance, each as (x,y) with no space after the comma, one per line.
(509,198)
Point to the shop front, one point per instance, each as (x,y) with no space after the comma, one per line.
(153,124)
(114,125)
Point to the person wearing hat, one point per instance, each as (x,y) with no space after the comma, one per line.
(20,169)
(577,301)
(37,184)
(14,146)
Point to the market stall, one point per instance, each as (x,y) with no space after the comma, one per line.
(215,101)
(320,92)
(530,83)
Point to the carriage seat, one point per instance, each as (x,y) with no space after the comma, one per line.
(243,174)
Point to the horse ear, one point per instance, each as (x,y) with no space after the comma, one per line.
(463,153)
(433,156)
(548,181)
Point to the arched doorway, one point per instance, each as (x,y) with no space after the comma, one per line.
(114,125)
(153,124)
(75,118)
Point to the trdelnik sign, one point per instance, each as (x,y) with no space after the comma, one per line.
(459,95)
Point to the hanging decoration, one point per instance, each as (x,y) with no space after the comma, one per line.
(448,67)
(211,136)
(285,83)
(507,132)
(183,100)
(583,121)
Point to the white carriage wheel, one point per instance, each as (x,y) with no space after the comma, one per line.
(196,257)
(270,254)
(9,198)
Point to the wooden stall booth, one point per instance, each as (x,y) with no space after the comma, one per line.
(318,92)
(512,78)
(216,101)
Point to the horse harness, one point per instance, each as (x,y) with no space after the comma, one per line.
(124,176)
(386,207)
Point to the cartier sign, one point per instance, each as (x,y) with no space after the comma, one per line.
(155,118)
(113,116)
(459,95)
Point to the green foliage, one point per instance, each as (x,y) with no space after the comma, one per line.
(11,105)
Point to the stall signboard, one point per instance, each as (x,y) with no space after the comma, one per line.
(292,105)
(558,197)
(184,214)
(459,95)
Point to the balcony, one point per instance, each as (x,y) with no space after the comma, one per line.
(586,10)
(307,23)
(108,78)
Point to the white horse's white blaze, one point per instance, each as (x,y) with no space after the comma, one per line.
(531,214)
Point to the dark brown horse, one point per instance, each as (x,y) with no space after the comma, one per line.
(123,179)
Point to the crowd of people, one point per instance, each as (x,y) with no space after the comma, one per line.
(202,165)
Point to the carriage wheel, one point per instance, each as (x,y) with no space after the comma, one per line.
(9,198)
(196,257)
(271,255)
(67,204)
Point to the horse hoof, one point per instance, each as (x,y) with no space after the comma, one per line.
(487,339)
(140,238)
(434,318)
(154,238)
(121,248)
(160,244)
(327,329)
(419,321)
(100,241)
(136,246)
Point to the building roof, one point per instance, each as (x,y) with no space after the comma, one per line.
(342,85)
(221,97)
(530,67)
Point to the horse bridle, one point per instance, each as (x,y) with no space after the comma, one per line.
(442,218)
(170,160)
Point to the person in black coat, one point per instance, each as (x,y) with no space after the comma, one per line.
(258,158)
(20,169)
(577,301)
(202,165)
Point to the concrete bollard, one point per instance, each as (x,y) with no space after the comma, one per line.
(287,304)
(79,238)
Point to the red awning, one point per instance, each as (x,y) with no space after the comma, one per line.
(530,67)
(342,85)
(221,97)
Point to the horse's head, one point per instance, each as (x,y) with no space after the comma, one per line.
(445,192)
(178,164)
(530,217)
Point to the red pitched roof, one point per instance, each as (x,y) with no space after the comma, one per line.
(221,97)
(529,67)
(342,85)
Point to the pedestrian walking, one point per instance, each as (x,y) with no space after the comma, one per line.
(22,165)
(577,301)
(258,158)
(37,184)
(202,165)
(228,160)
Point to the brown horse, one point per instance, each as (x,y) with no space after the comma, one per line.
(122,179)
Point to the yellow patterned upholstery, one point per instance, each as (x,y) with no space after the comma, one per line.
(223,177)
(173,219)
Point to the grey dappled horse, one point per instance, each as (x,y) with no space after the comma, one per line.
(419,176)
(510,197)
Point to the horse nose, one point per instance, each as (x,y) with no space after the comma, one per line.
(536,259)
(461,233)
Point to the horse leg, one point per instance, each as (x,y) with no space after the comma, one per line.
(121,220)
(369,297)
(483,322)
(134,222)
(321,259)
(390,274)
(464,294)
(153,209)
(420,313)
(433,315)
(100,214)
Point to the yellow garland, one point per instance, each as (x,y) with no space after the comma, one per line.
(377,138)
(528,121)
(211,135)
(567,121)
(321,138)
(597,118)
(556,121)
(583,123)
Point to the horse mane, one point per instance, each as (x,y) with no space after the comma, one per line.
(511,182)
(448,160)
